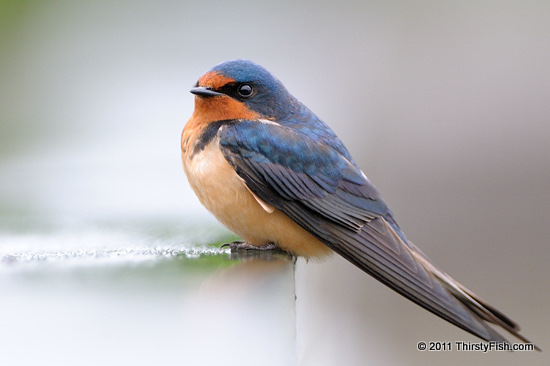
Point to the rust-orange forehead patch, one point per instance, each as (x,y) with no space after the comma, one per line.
(214,80)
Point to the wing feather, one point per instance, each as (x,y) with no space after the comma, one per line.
(324,192)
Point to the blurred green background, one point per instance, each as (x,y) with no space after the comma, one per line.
(445,106)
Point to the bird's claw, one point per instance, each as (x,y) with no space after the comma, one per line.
(242,245)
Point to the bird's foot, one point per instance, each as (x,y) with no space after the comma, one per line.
(242,245)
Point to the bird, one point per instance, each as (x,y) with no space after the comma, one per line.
(276,175)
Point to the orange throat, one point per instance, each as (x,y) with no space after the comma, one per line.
(209,110)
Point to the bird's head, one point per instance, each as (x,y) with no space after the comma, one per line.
(241,89)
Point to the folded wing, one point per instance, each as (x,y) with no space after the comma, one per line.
(328,195)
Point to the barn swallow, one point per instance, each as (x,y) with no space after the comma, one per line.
(276,175)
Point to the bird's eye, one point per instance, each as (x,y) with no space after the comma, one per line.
(245,90)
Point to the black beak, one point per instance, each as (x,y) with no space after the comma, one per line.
(202,91)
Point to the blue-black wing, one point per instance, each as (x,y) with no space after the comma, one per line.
(328,195)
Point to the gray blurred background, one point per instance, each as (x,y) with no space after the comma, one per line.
(445,106)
